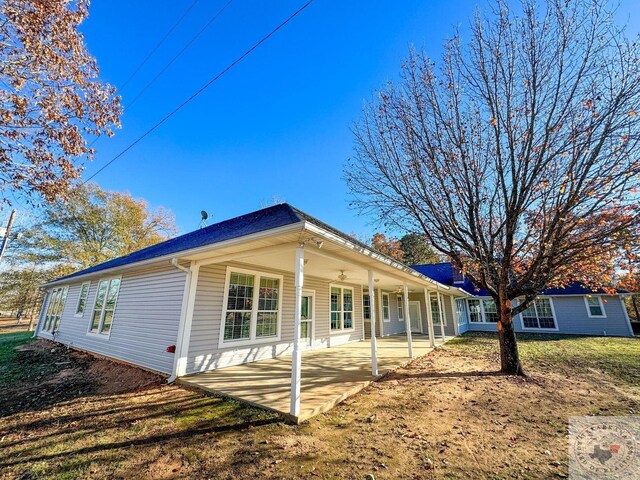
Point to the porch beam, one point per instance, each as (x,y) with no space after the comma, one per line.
(427,300)
(407,320)
(441,309)
(247,254)
(372,309)
(296,357)
(186,320)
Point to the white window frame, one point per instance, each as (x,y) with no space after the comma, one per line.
(386,318)
(86,299)
(479,300)
(553,313)
(599,298)
(443,317)
(400,306)
(365,307)
(484,314)
(98,334)
(341,311)
(53,297)
(252,340)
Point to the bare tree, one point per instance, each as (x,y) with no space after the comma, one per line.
(516,155)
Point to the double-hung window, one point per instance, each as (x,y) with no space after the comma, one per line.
(341,308)
(366,306)
(385,307)
(400,301)
(82,299)
(595,307)
(490,311)
(539,314)
(253,305)
(54,309)
(436,313)
(105,306)
(475,311)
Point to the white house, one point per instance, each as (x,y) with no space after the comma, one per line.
(244,289)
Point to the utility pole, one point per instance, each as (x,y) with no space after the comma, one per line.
(5,240)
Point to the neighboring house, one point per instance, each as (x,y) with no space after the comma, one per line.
(575,309)
(227,294)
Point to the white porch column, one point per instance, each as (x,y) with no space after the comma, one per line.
(440,307)
(407,320)
(381,310)
(186,320)
(296,357)
(456,318)
(374,347)
(427,300)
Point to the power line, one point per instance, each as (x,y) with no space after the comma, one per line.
(158,45)
(202,89)
(178,55)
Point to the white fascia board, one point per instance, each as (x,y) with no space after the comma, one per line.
(164,258)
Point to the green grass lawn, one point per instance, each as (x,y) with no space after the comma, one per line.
(617,357)
(10,372)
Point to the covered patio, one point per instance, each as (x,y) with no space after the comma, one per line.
(328,375)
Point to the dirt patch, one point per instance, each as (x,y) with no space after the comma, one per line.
(53,373)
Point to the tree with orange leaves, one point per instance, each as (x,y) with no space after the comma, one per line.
(516,155)
(50,97)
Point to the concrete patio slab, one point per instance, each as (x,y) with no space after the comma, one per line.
(329,375)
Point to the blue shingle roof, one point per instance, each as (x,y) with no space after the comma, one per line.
(254,222)
(443,273)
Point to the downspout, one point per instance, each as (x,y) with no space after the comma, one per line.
(183,315)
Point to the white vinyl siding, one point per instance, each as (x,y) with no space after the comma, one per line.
(145,319)
(205,352)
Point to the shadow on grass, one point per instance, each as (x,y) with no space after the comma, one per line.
(146,441)
(438,375)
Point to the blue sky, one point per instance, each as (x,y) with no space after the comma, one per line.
(276,125)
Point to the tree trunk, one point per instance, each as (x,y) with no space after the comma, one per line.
(634,301)
(509,356)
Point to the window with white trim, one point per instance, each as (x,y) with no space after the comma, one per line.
(251,313)
(400,301)
(341,308)
(595,308)
(54,309)
(436,313)
(539,314)
(105,306)
(82,299)
(490,311)
(475,310)
(386,312)
(366,306)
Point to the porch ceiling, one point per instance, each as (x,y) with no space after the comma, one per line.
(326,261)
